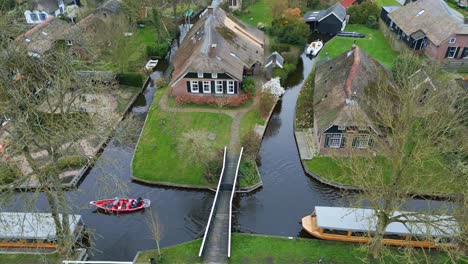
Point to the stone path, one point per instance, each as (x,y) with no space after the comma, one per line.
(306,143)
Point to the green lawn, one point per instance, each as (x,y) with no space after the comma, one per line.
(156,157)
(30,258)
(387,3)
(260,249)
(374,44)
(437,180)
(248,122)
(453,4)
(258,12)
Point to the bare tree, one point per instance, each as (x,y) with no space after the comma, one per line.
(421,127)
(156,229)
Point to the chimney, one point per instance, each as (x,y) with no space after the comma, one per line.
(210,10)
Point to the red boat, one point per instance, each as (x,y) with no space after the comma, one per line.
(121,205)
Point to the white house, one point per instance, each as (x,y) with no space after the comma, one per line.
(40,10)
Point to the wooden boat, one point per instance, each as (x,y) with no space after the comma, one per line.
(314,48)
(124,205)
(356,225)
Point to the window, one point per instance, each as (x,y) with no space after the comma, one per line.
(200,74)
(34,17)
(219,87)
(232,2)
(465,53)
(452,40)
(194,86)
(206,87)
(335,140)
(341,128)
(61,10)
(69,43)
(42,16)
(230,89)
(214,75)
(362,141)
(451,52)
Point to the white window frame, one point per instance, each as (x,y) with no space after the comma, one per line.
(335,140)
(214,75)
(341,128)
(454,52)
(452,40)
(362,141)
(34,17)
(230,85)
(69,42)
(194,87)
(219,87)
(200,74)
(465,49)
(206,87)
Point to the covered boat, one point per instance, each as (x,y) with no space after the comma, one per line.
(121,205)
(314,48)
(356,225)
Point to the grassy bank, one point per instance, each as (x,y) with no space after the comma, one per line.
(249,121)
(156,157)
(30,258)
(259,12)
(260,249)
(374,43)
(438,179)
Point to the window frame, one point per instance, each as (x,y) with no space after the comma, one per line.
(206,84)
(199,74)
(34,17)
(230,84)
(192,87)
(452,40)
(333,137)
(362,141)
(69,42)
(219,84)
(214,75)
(454,52)
(41,16)
(465,53)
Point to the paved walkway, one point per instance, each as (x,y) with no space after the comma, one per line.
(306,143)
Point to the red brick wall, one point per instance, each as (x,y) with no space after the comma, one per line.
(438,53)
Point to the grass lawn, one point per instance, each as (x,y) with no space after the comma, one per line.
(374,44)
(258,12)
(156,157)
(387,3)
(453,4)
(249,120)
(261,249)
(437,180)
(30,258)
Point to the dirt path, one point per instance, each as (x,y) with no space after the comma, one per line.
(236,114)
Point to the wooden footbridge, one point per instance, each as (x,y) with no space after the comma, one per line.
(216,244)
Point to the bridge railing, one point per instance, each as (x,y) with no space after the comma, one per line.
(230,202)
(213,206)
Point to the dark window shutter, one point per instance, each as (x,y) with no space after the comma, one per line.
(446,53)
(456,52)
(213,87)
(224,87)
(200,87)
(327,140)
(343,142)
(188,87)
(354,142)
(236,84)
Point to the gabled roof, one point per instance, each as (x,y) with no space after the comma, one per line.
(340,86)
(347,3)
(433,17)
(317,15)
(364,220)
(274,59)
(218,43)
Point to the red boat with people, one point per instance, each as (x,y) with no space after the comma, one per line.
(122,205)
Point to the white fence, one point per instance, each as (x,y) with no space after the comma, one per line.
(230,202)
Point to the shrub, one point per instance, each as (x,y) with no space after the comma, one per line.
(248,86)
(248,173)
(130,79)
(71,162)
(280,47)
(157,50)
(372,22)
(160,82)
(281,73)
(267,100)
(359,14)
(290,32)
(291,57)
(213,167)
(305,103)
(213,100)
(8,173)
(251,142)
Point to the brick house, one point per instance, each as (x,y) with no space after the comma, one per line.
(341,125)
(430,26)
(215,55)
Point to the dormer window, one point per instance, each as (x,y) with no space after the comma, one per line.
(214,75)
(341,128)
(452,40)
(69,42)
(200,74)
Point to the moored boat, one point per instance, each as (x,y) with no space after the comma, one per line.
(121,205)
(357,225)
(314,48)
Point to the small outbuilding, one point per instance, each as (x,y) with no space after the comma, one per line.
(329,21)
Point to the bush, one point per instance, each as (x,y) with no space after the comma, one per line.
(372,22)
(8,173)
(284,72)
(130,79)
(160,82)
(248,86)
(267,100)
(213,100)
(291,57)
(157,50)
(214,167)
(71,162)
(359,14)
(290,32)
(305,103)
(251,142)
(248,173)
(280,47)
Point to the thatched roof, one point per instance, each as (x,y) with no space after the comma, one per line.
(218,43)
(339,91)
(433,17)
(42,37)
